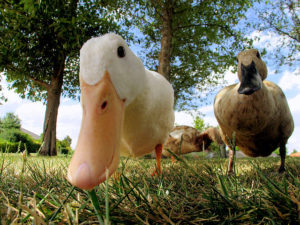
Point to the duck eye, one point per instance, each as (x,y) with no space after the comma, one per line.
(258,55)
(121,51)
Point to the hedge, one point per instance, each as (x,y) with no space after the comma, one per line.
(12,140)
(13,147)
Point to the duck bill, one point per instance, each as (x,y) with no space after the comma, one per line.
(97,153)
(251,80)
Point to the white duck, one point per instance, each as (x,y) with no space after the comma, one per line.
(127,109)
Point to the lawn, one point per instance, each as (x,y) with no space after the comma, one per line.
(33,190)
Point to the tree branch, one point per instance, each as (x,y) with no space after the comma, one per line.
(226,28)
(156,8)
(41,83)
(285,33)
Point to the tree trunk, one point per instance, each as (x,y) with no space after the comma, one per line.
(164,66)
(53,100)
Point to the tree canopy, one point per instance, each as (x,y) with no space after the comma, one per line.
(282,17)
(36,38)
(39,48)
(191,43)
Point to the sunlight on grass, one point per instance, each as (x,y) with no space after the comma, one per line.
(193,191)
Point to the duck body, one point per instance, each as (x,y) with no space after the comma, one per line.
(149,118)
(260,121)
(255,110)
(182,140)
(185,139)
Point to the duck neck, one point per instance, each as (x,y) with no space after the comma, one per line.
(256,98)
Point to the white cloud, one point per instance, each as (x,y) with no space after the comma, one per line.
(185,118)
(12,97)
(188,117)
(293,142)
(69,120)
(290,80)
(32,115)
(267,39)
(230,77)
(294,105)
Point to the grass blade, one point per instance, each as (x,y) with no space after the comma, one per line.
(106,200)
(39,204)
(60,207)
(95,203)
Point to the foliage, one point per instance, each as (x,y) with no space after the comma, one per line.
(281,17)
(199,124)
(215,148)
(64,145)
(13,140)
(10,121)
(2,97)
(37,36)
(257,194)
(39,49)
(205,40)
(6,146)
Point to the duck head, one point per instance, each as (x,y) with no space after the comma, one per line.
(111,76)
(251,71)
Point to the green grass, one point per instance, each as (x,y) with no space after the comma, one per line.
(33,190)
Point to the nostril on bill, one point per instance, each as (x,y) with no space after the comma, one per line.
(104,105)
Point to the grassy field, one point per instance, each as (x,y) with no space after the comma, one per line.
(33,190)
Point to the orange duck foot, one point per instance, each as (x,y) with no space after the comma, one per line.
(116,175)
(173,159)
(158,152)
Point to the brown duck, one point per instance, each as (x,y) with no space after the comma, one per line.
(255,110)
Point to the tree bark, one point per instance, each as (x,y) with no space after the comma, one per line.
(54,93)
(164,66)
(53,100)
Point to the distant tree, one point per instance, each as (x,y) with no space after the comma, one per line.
(67,141)
(10,121)
(39,49)
(199,124)
(191,43)
(65,145)
(282,17)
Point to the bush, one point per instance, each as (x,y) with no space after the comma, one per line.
(11,139)
(65,150)
(8,147)
(64,146)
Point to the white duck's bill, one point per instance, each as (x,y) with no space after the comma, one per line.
(98,146)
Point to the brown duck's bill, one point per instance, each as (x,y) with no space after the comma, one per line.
(251,80)
(98,146)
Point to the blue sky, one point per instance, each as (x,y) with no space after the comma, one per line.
(69,114)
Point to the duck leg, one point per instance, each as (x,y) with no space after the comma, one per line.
(282,151)
(158,152)
(231,159)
